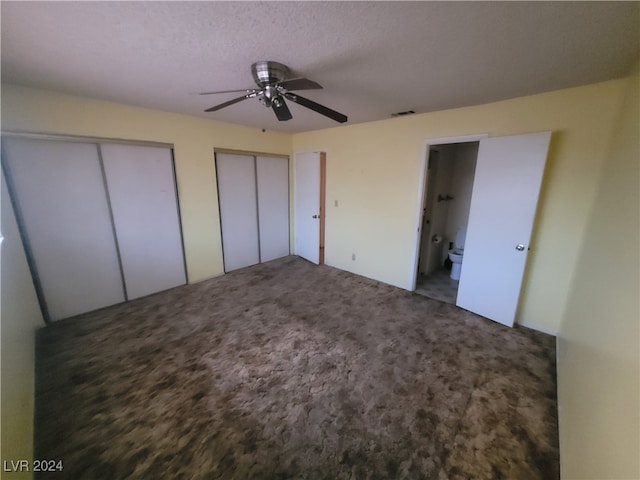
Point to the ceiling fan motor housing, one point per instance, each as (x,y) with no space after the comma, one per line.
(267,73)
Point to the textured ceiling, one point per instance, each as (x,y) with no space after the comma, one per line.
(372,58)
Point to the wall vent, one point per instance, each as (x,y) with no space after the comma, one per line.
(402,114)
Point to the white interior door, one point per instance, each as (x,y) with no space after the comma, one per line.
(64,212)
(307,205)
(273,206)
(503,207)
(238,210)
(145,214)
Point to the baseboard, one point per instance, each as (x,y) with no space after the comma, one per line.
(193,282)
(538,328)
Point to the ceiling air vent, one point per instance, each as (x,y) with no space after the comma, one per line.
(402,114)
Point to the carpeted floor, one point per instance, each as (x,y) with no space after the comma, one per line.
(287,370)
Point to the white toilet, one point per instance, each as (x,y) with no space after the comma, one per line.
(456,253)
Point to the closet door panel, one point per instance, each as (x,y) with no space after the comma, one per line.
(238,210)
(143,198)
(273,206)
(64,211)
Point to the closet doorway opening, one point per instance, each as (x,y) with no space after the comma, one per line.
(445,213)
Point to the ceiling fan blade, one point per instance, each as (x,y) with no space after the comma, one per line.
(245,90)
(300,84)
(281,110)
(316,107)
(231,102)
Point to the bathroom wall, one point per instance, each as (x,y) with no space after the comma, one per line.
(442,187)
(429,250)
(463,160)
(456,169)
(453,167)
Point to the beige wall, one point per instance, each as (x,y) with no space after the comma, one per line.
(374,171)
(598,372)
(20,316)
(194,139)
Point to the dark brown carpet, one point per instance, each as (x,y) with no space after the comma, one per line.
(287,370)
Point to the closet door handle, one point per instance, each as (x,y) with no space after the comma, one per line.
(315,216)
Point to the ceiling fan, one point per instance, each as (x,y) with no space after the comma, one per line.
(273,87)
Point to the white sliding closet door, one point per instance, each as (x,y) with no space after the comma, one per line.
(236,176)
(61,201)
(273,206)
(145,214)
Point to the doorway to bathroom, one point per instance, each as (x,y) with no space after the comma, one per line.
(448,185)
(493,249)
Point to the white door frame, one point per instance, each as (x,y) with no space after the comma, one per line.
(413,273)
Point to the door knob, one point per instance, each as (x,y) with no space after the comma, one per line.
(520,247)
(315,216)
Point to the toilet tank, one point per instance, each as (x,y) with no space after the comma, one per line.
(461,235)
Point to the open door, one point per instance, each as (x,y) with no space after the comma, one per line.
(503,206)
(309,180)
